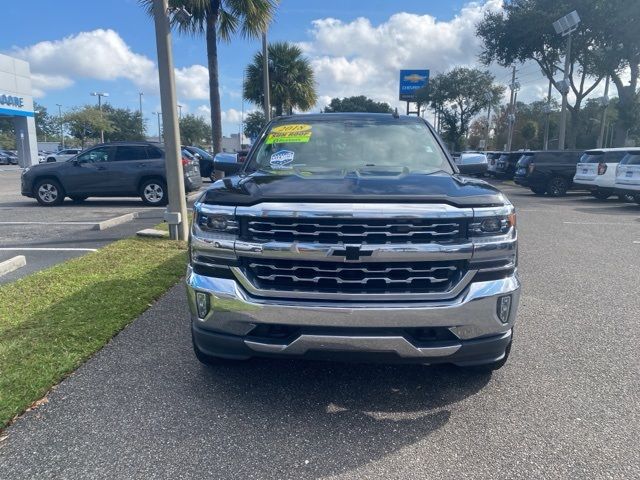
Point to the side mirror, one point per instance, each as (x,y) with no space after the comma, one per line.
(467,169)
(228,168)
(75,162)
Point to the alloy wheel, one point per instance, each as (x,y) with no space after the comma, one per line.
(48,193)
(154,193)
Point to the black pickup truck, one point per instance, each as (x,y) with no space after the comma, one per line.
(353,236)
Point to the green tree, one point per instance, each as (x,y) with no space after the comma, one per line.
(194,130)
(357,104)
(254,123)
(86,123)
(220,19)
(126,124)
(47,126)
(529,131)
(461,94)
(291,79)
(523,31)
(7,133)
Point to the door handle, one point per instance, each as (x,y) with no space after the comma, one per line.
(101,168)
(141,165)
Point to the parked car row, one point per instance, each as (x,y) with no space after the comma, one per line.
(603,172)
(8,157)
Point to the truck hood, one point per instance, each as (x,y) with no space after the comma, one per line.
(438,187)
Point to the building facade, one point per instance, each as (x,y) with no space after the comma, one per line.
(16,102)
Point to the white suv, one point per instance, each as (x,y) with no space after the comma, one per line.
(63,155)
(628,174)
(596,171)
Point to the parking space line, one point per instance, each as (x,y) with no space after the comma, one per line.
(602,223)
(48,223)
(46,249)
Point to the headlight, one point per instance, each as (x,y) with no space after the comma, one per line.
(217,223)
(25,170)
(214,221)
(492,225)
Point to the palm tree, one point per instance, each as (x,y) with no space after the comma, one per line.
(291,79)
(220,19)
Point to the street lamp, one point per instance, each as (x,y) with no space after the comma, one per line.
(565,26)
(488,98)
(60,121)
(100,95)
(140,94)
(180,111)
(159,115)
(515,86)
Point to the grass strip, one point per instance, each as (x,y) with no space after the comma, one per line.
(54,320)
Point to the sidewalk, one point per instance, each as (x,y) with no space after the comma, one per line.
(143,407)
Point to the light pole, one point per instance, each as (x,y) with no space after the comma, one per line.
(605,104)
(515,86)
(59,105)
(265,77)
(489,98)
(180,111)
(23,157)
(100,95)
(159,114)
(547,111)
(176,213)
(140,94)
(565,26)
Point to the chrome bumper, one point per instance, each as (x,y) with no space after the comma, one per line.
(471,315)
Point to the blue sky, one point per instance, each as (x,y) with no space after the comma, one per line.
(373,45)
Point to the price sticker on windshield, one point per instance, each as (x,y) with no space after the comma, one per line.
(291,133)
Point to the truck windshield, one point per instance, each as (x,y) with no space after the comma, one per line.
(349,145)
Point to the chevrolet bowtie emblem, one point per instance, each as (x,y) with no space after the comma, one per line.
(350,253)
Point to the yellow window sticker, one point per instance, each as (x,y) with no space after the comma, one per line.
(290,133)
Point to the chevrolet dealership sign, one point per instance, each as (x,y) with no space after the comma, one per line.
(11,101)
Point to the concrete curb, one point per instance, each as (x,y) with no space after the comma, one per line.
(152,233)
(114,222)
(12,264)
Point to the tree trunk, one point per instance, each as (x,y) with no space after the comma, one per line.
(626,118)
(572,131)
(214,83)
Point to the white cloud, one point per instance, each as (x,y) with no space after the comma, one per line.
(103,55)
(192,82)
(357,57)
(229,117)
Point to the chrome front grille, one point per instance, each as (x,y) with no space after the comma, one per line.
(354,231)
(363,277)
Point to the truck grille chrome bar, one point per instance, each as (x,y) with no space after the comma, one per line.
(336,277)
(354,231)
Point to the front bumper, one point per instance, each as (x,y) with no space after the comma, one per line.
(368,330)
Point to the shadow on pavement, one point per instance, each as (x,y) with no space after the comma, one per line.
(335,416)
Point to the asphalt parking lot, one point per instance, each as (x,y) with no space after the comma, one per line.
(46,236)
(564,406)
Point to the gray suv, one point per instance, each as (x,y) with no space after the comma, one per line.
(119,169)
